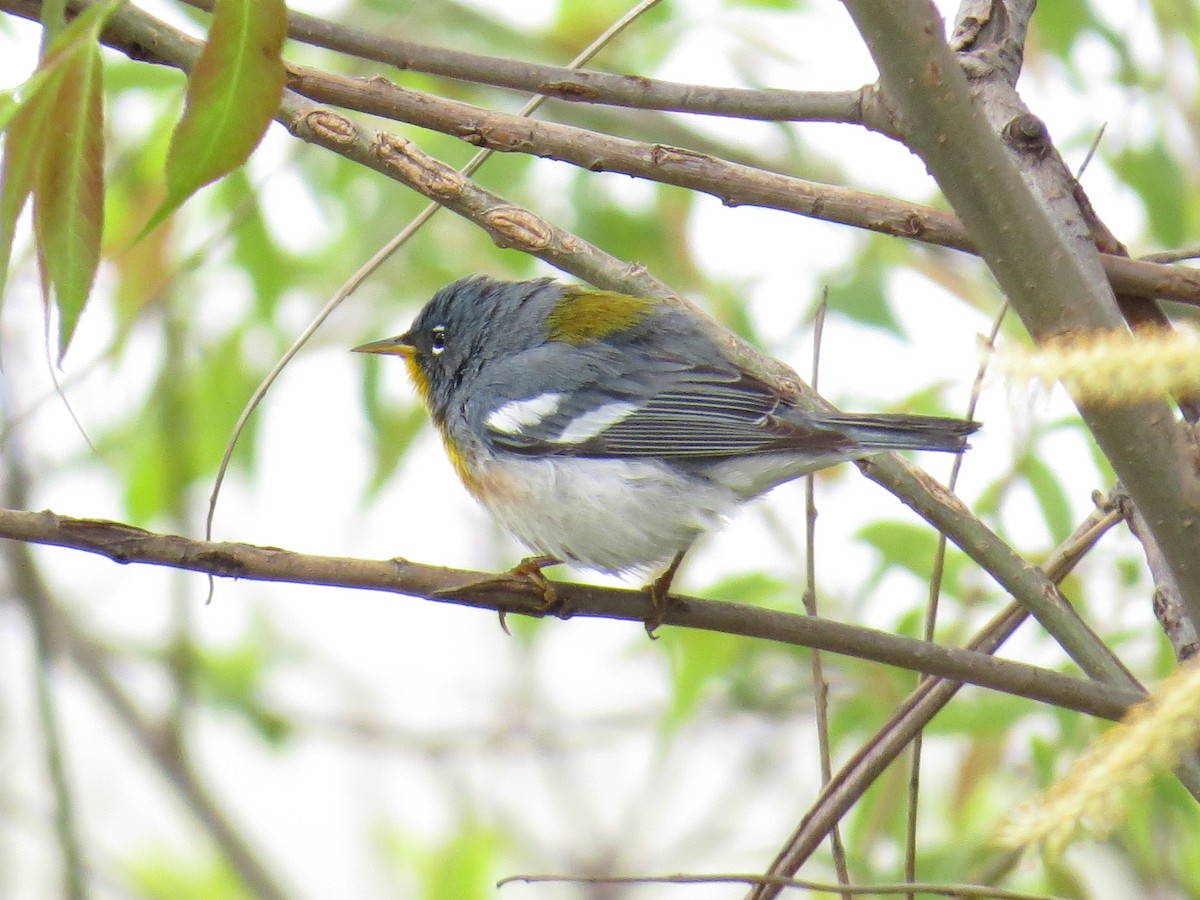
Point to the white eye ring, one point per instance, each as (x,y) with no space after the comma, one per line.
(437,341)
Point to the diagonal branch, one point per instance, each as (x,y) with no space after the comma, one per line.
(734,184)
(917,710)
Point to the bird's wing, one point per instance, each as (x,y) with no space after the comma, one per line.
(683,412)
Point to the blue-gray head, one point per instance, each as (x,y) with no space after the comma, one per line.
(466,325)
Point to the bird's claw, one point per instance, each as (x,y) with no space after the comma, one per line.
(660,596)
(530,570)
(526,573)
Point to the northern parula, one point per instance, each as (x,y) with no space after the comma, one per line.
(610,430)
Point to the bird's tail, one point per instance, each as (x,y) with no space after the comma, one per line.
(898,431)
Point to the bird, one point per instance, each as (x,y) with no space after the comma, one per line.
(609,430)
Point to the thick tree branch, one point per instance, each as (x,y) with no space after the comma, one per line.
(734,184)
(127,544)
(1040,255)
(989,40)
(1168,606)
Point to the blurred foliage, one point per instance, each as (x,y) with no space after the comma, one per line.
(165,875)
(188,320)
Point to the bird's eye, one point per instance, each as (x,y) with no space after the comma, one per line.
(437,340)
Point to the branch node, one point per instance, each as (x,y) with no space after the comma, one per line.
(574,91)
(516,228)
(1027,134)
(220,562)
(330,127)
(914,225)
(432,177)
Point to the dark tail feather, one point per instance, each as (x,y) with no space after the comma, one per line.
(897,431)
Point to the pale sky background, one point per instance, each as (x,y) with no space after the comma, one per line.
(437,671)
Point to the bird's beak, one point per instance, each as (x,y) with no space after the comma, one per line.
(396,346)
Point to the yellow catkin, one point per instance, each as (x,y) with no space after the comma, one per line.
(1111,367)
(1152,737)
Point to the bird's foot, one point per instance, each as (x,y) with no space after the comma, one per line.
(660,596)
(526,573)
(529,570)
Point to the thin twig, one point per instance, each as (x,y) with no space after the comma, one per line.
(1172,256)
(869,890)
(1168,606)
(820,685)
(568,84)
(915,712)
(931,610)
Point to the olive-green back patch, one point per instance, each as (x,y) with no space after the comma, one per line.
(585,315)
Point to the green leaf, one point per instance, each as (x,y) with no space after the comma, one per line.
(8,108)
(232,678)
(392,430)
(1158,180)
(1049,493)
(68,211)
(1059,24)
(464,867)
(986,715)
(27,122)
(233,91)
(271,269)
(182,428)
(912,547)
(65,175)
(861,294)
(161,874)
(699,658)
(23,154)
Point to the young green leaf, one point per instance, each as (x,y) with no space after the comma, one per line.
(232,93)
(1050,496)
(23,148)
(8,108)
(68,211)
(54,150)
(1154,173)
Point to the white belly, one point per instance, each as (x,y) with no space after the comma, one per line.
(607,514)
